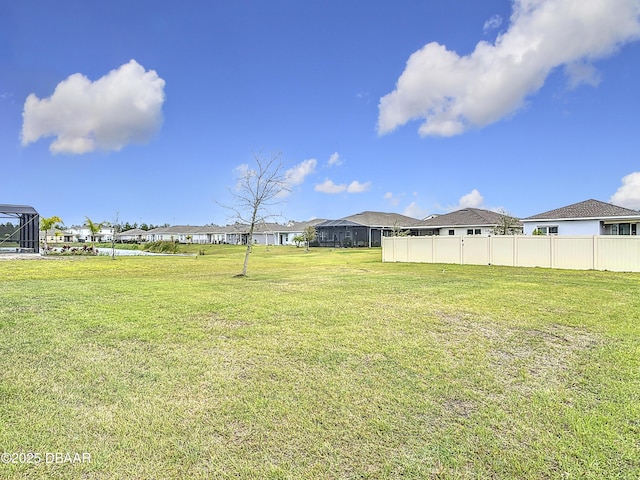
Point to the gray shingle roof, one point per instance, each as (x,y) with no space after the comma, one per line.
(587,209)
(134,231)
(471,217)
(381,219)
(338,223)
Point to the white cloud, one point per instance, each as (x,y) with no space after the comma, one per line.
(453,93)
(124,106)
(297,174)
(242,173)
(334,160)
(493,23)
(628,194)
(357,187)
(580,73)
(415,211)
(392,199)
(242,169)
(329,187)
(473,199)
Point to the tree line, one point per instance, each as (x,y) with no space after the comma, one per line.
(8,232)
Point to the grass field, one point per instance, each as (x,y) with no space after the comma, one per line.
(327,364)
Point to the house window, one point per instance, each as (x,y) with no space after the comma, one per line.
(621,229)
(470,231)
(452,232)
(548,230)
(477,231)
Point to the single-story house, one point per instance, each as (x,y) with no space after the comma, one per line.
(364,229)
(280,234)
(133,235)
(467,221)
(176,233)
(235,234)
(591,217)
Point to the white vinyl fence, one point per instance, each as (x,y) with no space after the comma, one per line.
(598,252)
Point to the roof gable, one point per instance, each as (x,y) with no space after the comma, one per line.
(465,217)
(587,209)
(133,231)
(381,219)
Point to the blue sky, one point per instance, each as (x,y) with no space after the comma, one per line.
(147,109)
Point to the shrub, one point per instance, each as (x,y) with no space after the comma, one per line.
(69,250)
(161,246)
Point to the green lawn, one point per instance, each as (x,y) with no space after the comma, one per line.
(327,364)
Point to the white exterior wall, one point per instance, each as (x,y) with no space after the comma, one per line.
(275,238)
(199,238)
(218,238)
(105,234)
(444,231)
(286,238)
(128,238)
(262,238)
(566,227)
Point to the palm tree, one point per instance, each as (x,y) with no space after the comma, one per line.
(94,228)
(47,224)
(309,235)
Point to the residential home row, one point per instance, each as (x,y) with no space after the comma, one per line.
(366,229)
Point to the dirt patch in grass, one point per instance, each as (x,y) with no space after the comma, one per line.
(506,361)
(527,359)
(215,321)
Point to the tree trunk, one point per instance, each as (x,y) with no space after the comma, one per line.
(246,258)
(249,242)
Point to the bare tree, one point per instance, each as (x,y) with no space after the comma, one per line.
(257,191)
(396,231)
(116,229)
(507,225)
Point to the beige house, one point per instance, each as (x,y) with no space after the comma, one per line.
(55,236)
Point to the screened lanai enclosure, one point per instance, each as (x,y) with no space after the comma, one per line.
(345,234)
(26,222)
